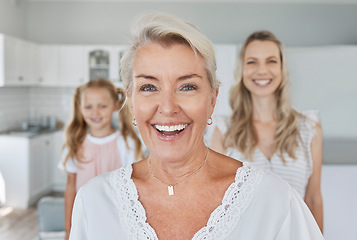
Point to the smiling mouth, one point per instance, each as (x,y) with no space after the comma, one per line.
(262,82)
(166,130)
(96,120)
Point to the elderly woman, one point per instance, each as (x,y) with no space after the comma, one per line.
(183,190)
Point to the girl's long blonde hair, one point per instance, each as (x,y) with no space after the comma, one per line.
(77,129)
(241,134)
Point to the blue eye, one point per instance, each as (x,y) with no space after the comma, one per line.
(250,62)
(88,107)
(188,87)
(102,106)
(148,88)
(272,61)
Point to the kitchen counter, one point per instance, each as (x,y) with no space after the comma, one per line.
(339,151)
(28,133)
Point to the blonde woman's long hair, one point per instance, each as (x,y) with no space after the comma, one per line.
(241,134)
(77,129)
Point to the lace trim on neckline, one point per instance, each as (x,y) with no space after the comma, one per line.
(221,222)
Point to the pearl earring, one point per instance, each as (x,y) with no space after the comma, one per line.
(210,121)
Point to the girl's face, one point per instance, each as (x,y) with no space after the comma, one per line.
(262,68)
(97,106)
(171,100)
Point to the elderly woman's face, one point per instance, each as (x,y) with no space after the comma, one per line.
(171,99)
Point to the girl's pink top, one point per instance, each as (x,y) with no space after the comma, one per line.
(101,155)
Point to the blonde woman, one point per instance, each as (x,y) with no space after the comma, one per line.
(265,129)
(183,190)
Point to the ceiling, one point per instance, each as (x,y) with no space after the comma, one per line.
(226,1)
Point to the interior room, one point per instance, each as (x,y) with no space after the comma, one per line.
(49,47)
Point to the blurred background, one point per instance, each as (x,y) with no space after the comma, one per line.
(49,47)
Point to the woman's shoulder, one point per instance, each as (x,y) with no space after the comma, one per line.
(272,188)
(105,182)
(226,165)
(308,121)
(274,183)
(310,117)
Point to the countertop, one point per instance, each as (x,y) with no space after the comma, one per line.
(30,133)
(339,151)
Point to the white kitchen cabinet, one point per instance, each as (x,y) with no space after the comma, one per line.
(19,62)
(71,65)
(103,61)
(59,177)
(26,166)
(33,64)
(49,64)
(40,164)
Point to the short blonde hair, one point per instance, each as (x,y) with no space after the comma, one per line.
(167,30)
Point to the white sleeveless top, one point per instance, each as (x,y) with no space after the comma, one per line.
(295,171)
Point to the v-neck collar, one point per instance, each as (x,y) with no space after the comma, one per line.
(226,216)
(260,152)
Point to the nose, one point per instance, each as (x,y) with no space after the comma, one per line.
(262,68)
(168,104)
(95,110)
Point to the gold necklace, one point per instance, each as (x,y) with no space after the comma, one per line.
(170,186)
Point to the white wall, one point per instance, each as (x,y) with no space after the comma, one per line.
(52,102)
(325,78)
(14,106)
(13,15)
(107,22)
(24,104)
(339,192)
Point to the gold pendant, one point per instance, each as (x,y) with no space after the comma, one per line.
(171,190)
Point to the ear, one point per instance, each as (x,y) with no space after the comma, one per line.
(213,102)
(214,98)
(116,106)
(129,101)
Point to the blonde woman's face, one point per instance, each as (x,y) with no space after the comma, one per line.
(171,100)
(262,72)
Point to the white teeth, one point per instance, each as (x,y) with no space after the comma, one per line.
(170,128)
(96,119)
(262,82)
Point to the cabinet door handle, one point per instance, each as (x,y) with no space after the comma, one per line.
(21,78)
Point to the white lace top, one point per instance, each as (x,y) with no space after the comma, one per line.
(295,171)
(257,205)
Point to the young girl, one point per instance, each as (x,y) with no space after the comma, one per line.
(264,127)
(92,145)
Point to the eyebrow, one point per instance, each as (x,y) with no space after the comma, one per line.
(184,77)
(146,77)
(189,76)
(265,58)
